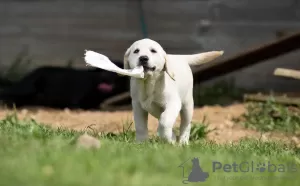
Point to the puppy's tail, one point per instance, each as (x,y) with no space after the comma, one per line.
(197,59)
(201,58)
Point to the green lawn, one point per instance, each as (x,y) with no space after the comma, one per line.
(32,154)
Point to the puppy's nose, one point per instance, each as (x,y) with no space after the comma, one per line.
(143,60)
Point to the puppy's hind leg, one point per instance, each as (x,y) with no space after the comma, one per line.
(186,115)
(140,121)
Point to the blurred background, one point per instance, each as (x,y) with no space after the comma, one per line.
(44,41)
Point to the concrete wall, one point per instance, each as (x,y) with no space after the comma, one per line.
(56,31)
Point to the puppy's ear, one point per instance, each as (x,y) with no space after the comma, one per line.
(167,68)
(125,61)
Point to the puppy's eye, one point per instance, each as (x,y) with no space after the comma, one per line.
(153,51)
(136,51)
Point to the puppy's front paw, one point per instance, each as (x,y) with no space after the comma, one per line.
(183,142)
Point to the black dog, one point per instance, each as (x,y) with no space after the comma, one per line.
(59,87)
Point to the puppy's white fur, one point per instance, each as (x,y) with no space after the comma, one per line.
(165,92)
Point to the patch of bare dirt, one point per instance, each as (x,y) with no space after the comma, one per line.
(218,117)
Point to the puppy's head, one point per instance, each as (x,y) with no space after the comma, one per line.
(146,53)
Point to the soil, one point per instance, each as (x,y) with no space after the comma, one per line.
(218,118)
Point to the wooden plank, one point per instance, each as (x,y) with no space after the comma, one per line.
(78,35)
(260,4)
(106,104)
(85,34)
(278,99)
(246,14)
(287,73)
(59,8)
(99,21)
(178,7)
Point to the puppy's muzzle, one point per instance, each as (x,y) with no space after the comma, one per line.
(143,60)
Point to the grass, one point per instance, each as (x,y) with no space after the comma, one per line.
(34,154)
(271,116)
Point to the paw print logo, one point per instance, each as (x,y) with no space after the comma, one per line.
(261,167)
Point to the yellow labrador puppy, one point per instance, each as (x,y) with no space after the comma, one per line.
(167,89)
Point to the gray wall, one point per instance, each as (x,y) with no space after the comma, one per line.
(56,31)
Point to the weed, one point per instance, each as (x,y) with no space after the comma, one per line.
(271,116)
(199,130)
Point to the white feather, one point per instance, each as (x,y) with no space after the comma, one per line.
(101,61)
